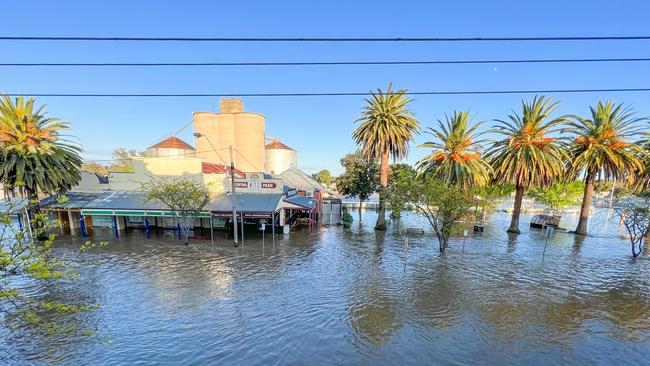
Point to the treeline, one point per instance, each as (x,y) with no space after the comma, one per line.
(533,149)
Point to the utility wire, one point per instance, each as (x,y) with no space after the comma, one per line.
(316,63)
(332,94)
(323,39)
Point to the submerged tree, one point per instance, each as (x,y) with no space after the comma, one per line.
(387,126)
(635,216)
(34,154)
(360,178)
(455,157)
(442,204)
(26,260)
(401,176)
(560,195)
(601,147)
(185,198)
(526,155)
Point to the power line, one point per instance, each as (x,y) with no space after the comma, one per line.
(314,63)
(324,39)
(331,94)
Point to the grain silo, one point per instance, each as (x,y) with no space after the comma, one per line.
(231,126)
(170,147)
(279,157)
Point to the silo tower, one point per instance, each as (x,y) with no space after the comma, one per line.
(231,126)
(279,157)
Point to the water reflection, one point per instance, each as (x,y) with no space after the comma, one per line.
(335,296)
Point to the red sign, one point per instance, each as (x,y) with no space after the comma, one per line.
(255,185)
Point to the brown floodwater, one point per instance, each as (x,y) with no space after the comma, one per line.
(336,296)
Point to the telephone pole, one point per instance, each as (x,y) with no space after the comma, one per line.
(232,193)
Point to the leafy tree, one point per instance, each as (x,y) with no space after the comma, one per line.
(600,147)
(401,176)
(24,259)
(386,128)
(184,197)
(526,155)
(360,178)
(455,156)
(442,204)
(123,159)
(603,186)
(93,167)
(635,216)
(560,195)
(324,177)
(34,154)
(488,196)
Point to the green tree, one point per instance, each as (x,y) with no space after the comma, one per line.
(386,128)
(526,155)
(24,259)
(401,176)
(123,159)
(93,167)
(442,204)
(34,154)
(488,196)
(360,178)
(560,195)
(184,197)
(324,176)
(455,157)
(600,147)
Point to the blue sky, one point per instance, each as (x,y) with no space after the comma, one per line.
(318,127)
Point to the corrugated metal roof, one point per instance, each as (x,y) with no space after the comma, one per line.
(300,180)
(301,201)
(124,200)
(74,200)
(172,142)
(13,205)
(247,202)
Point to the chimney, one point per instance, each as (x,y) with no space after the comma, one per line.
(231,105)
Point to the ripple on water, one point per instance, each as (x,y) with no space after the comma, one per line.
(355,296)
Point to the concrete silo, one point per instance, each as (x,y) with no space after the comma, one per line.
(280,157)
(170,147)
(231,126)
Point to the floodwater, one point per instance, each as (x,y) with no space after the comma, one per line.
(336,296)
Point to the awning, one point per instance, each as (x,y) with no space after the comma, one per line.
(302,201)
(251,204)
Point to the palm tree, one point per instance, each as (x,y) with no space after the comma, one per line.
(387,127)
(34,156)
(455,157)
(527,155)
(600,147)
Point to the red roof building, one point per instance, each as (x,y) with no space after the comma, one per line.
(172,142)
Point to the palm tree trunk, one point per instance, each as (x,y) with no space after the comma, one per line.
(581,229)
(516,209)
(383,183)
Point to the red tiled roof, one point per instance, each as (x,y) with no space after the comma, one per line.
(172,142)
(277,145)
(211,168)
